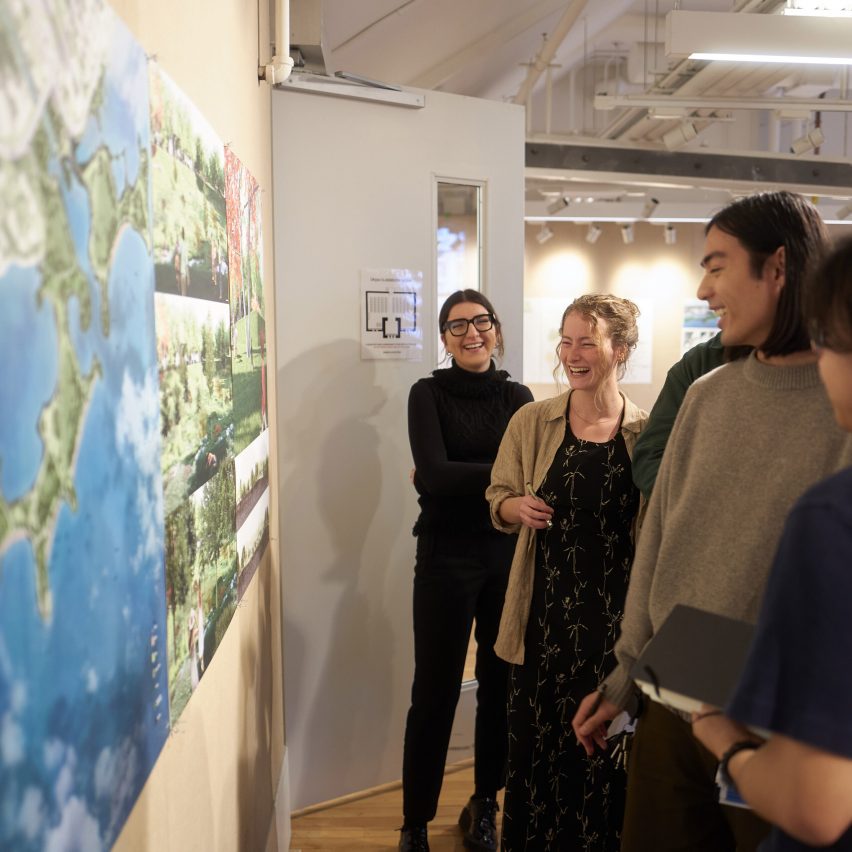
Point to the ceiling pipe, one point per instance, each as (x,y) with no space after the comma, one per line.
(278,70)
(548,50)
(712,102)
(673,83)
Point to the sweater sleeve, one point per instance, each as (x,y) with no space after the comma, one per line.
(522,395)
(649,449)
(434,472)
(636,627)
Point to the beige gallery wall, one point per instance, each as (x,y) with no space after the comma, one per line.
(214,785)
(647,270)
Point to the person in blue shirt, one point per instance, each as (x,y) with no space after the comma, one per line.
(796,682)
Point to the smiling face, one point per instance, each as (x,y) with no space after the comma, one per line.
(587,357)
(744,303)
(472,351)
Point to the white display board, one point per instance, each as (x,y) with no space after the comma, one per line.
(639,367)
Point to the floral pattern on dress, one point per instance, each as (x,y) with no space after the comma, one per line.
(557,798)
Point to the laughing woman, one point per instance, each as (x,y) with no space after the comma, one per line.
(563,479)
(456,419)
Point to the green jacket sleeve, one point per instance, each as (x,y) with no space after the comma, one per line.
(649,448)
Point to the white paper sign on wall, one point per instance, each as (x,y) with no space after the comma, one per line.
(391,314)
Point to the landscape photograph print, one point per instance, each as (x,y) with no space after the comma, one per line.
(188,168)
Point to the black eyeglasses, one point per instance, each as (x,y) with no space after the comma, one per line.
(459,327)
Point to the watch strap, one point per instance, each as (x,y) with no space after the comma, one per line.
(736,748)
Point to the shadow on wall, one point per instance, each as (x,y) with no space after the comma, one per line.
(338,636)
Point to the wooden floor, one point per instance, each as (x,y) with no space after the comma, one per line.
(372,822)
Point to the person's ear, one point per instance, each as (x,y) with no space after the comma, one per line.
(775,268)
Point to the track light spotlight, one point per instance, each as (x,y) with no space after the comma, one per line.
(649,208)
(670,235)
(593,234)
(808,142)
(679,135)
(627,233)
(845,211)
(544,234)
(558,205)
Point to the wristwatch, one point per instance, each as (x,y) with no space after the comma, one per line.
(736,748)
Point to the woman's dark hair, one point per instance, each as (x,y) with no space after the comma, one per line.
(828,305)
(470,296)
(762,223)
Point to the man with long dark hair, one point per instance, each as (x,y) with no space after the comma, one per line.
(750,437)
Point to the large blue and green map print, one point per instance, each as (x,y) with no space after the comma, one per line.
(83,670)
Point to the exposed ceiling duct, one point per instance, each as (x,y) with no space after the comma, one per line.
(540,64)
(601,93)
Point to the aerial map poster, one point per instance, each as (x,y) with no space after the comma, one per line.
(83,688)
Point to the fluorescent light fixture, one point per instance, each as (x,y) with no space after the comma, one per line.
(627,233)
(845,211)
(663,113)
(812,139)
(670,235)
(558,205)
(543,235)
(593,234)
(754,37)
(679,135)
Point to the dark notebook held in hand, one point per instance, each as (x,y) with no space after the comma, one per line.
(695,658)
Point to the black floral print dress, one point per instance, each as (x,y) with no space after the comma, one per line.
(557,798)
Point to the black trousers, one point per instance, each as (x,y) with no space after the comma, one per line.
(459,579)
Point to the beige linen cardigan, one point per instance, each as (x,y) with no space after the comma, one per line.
(527,450)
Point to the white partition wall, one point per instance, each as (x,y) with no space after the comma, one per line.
(354,189)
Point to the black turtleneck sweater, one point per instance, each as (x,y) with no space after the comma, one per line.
(456,421)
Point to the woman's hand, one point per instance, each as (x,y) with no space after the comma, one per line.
(591,721)
(527,510)
(716,732)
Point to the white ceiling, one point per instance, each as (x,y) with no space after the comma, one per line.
(484,48)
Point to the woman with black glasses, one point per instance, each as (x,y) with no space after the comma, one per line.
(456,419)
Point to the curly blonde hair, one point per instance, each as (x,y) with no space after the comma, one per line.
(620,316)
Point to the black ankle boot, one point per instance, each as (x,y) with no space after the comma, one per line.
(478,821)
(413,839)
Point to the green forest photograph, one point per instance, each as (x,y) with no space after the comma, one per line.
(201,582)
(188,176)
(196,397)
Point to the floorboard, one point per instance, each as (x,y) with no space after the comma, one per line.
(372,822)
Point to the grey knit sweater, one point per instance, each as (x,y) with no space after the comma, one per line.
(748,440)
